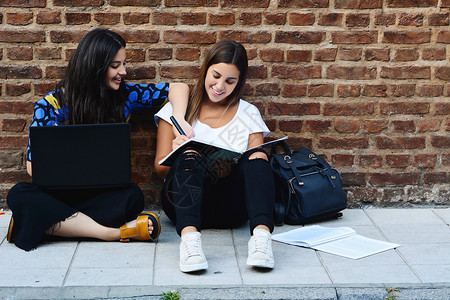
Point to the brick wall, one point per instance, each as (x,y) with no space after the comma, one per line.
(364,83)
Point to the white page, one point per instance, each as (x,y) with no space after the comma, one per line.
(356,247)
(310,236)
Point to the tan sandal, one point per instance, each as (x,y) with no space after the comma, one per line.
(10,229)
(140,232)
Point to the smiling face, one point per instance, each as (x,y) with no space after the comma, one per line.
(116,70)
(220,81)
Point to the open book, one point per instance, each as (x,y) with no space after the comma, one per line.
(341,241)
(211,150)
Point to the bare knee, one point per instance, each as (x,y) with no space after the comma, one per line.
(258,154)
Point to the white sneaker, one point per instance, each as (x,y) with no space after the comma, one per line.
(260,249)
(192,257)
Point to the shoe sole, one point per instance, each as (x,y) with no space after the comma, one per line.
(193,268)
(260,264)
(10,229)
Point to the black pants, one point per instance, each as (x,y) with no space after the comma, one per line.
(36,210)
(193,196)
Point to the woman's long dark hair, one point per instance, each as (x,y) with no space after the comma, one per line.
(83,89)
(226,51)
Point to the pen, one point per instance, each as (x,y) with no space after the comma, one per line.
(177,126)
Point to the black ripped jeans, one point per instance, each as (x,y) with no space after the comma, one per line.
(193,196)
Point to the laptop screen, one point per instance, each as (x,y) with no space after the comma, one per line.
(80,156)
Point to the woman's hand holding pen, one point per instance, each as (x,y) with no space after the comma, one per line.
(185,126)
(180,139)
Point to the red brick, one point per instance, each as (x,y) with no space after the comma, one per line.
(443,37)
(343,143)
(247,36)
(440,141)
(430,90)
(383,142)
(24,3)
(294,109)
(159,53)
(187,54)
(271,55)
(250,18)
(442,108)
(406,37)
(13,142)
(351,73)
(19,19)
(330,19)
(348,109)
(398,160)
(272,18)
(221,19)
(257,72)
(379,54)
(66,36)
(188,3)
(353,179)
(445,159)
(406,126)
(424,160)
(298,55)
(20,53)
(13,125)
(144,3)
(364,195)
(140,36)
(354,37)
(78,3)
(135,55)
(251,53)
(437,178)
(295,37)
(348,90)
(434,54)
(354,54)
(303,3)
(317,126)
(445,3)
(405,19)
(428,125)
(442,73)
(267,89)
(406,54)
(164,18)
(189,37)
(17,89)
(294,90)
(55,72)
(328,54)
(42,88)
(407,72)
(346,125)
(136,18)
(107,18)
(22,36)
(438,19)
(358,4)
(16,107)
(180,72)
(76,18)
(301,19)
(378,90)
(403,90)
(321,90)
(357,20)
(372,161)
(342,160)
(385,19)
(393,195)
(297,72)
(50,53)
(398,179)
(246,3)
(19,72)
(405,108)
(193,18)
(375,126)
(14,176)
(411,3)
(290,125)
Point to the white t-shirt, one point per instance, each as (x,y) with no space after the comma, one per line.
(234,135)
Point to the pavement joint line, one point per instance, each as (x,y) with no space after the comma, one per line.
(69,268)
(241,278)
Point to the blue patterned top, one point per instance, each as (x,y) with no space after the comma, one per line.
(48,112)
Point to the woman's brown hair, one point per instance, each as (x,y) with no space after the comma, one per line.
(226,51)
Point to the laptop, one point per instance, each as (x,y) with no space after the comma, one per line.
(80,156)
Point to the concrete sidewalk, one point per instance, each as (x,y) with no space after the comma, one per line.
(419,268)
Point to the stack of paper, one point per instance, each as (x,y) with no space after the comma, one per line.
(341,241)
